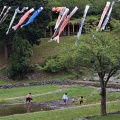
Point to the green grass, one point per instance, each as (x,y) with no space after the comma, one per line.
(73,91)
(3,82)
(65,114)
(23,91)
(108,117)
(113,95)
(46,49)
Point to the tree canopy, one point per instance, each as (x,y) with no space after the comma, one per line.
(32,32)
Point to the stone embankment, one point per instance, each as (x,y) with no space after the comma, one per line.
(59,82)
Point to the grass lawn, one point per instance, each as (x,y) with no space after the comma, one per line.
(73,91)
(46,49)
(3,82)
(108,117)
(23,91)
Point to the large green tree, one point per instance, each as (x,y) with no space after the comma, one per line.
(20,59)
(101,55)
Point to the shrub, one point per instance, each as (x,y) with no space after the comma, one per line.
(53,64)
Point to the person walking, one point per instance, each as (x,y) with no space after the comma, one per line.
(28,99)
(65,98)
(81,99)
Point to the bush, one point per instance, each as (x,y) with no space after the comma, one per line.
(53,64)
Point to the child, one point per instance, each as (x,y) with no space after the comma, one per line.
(65,98)
(28,98)
(81,99)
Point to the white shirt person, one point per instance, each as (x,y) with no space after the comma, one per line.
(65,98)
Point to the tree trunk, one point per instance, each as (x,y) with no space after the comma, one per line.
(5,51)
(103,101)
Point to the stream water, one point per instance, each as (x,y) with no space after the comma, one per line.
(21,109)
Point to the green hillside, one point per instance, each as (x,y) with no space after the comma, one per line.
(46,49)
(42,51)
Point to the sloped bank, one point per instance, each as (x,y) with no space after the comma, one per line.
(59,82)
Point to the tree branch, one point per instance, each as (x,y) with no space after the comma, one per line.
(111,73)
